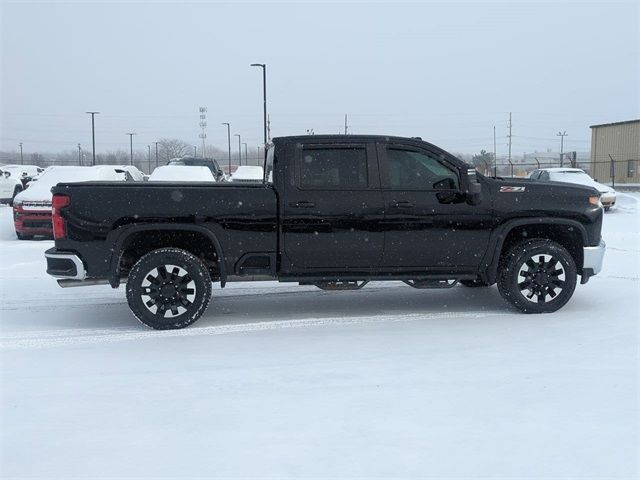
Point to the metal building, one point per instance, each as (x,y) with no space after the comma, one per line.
(615,152)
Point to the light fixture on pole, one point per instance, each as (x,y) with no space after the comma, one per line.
(264,97)
(93,135)
(228,142)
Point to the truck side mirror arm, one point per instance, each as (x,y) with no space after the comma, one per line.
(471,186)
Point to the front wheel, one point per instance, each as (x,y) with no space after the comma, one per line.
(537,276)
(168,288)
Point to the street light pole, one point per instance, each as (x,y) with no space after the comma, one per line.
(79,155)
(156,153)
(264,97)
(228,142)
(93,134)
(149,156)
(131,146)
(21,159)
(562,135)
(246,161)
(239,149)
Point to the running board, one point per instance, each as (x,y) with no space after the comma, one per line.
(342,285)
(424,284)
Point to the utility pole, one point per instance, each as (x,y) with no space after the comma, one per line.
(156,153)
(345,124)
(195,151)
(239,149)
(149,156)
(246,158)
(264,98)
(21,159)
(228,142)
(495,157)
(93,135)
(131,146)
(510,144)
(203,126)
(79,155)
(561,135)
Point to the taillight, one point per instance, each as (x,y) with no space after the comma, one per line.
(59,224)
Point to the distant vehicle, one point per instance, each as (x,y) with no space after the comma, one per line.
(10,186)
(247,174)
(342,210)
(24,173)
(135,174)
(32,207)
(210,163)
(181,173)
(576,175)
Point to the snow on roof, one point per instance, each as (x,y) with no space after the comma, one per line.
(41,190)
(181,173)
(248,172)
(563,170)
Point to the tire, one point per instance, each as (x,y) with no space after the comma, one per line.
(537,276)
(606,209)
(477,283)
(183,289)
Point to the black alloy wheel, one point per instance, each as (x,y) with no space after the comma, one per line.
(168,288)
(537,276)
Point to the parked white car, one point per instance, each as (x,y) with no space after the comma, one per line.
(576,175)
(247,174)
(181,173)
(10,186)
(24,173)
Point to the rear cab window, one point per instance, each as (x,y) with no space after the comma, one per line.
(331,167)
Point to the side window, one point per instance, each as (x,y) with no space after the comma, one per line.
(340,168)
(534,175)
(416,170)
(544,176)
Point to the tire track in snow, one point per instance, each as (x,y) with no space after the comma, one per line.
(79,337)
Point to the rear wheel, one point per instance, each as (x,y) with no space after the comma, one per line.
(168,288)
(537,276)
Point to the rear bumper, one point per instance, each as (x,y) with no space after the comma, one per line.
(64,265)
(593,258)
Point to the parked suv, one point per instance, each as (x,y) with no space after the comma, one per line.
(210,163)
(10,186)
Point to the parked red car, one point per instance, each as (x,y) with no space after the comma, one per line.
(32,207)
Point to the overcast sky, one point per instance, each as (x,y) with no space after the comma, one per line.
(445,71)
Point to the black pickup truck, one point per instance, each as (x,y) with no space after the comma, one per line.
(335,212)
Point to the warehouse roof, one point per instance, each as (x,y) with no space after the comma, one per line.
(614,123)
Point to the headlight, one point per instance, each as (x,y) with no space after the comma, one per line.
(595,200)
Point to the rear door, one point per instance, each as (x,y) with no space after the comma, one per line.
(428,222)
(332,208)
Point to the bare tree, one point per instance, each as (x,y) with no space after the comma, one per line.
(169,148)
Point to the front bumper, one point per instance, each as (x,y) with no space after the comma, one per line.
(593,257)
(64,265)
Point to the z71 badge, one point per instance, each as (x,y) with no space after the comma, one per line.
(512,189)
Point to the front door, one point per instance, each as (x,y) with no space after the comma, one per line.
(332,209)
(428,224)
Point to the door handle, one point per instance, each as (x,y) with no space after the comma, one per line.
(302,204)
(402,204)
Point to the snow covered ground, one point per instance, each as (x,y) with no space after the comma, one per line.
(286,381)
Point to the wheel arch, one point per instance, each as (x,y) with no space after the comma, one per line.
(195,239)
(571,234)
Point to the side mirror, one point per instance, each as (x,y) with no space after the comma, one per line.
(7,174)
(472,188)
